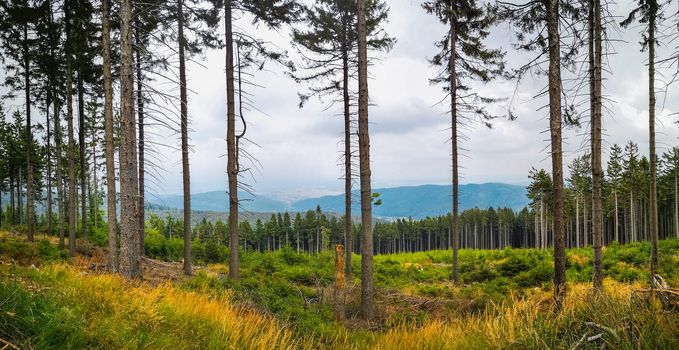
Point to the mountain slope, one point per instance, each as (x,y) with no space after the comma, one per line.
(413,201)
(217,201)
(427,200)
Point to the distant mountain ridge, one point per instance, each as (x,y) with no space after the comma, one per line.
(406,201)
(217,201)
(428,200)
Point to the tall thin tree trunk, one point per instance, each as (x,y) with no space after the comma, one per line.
(186,179)
(232,152)
(348,237)
(49,159)
(108,141)
(577,221)
(585,224)
(81,154)
(557,161)
(367,308)
(130,255)
(595,85)
(140,152)
(95,191)
(29,138)
(632,223)
(453,142)
(71,153)
(617,224)
(653,212)
(676,204)
(59,179)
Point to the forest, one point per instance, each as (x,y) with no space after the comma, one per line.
(94,92)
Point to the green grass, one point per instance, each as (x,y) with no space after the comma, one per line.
(504,302)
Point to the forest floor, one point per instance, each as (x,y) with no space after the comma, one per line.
(284,301)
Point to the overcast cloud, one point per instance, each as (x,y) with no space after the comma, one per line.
(298,149)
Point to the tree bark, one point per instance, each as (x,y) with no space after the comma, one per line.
(130,255)
(577,221)
(676,204)
(617,224)
(653,212)
(109,150)
(81,145)
(71,142)
(453,141)
(29,137)
(140,152)
(597,206)
(367,308)
(59,179)
(49,157)
(557,160)
(232,152)
(94,207)
(348,236)
(186,179)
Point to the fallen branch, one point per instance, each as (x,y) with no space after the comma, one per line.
(8,345)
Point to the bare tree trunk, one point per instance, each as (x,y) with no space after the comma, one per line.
(29,138)
(71,142)
(140,152)
(108,141)
(597,206)
(557,161)
(232,152)
(676,204)
(348,237)
(59,179)
(617,224)
(48,96)
(367,308)
(186,179)
(95,190)
(453,141)
(595,85)
(81,154)
(653,213)
(585,226)
(577,221)
(130,255)
(632,223)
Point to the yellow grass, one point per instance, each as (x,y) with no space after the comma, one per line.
(194,320)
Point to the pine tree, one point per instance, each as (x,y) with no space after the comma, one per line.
(538,17)
(648,12)
(595,55)
(273,14)
(614,172)
(332,39)
(464,58)
(18,43)
(367,293)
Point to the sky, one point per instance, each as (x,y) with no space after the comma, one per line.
(298,150)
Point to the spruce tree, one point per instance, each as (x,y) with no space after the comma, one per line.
(328,45)
(649,12)
(274,14)
(531,20)
(464,58)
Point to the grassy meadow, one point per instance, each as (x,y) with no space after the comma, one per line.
(284,301)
